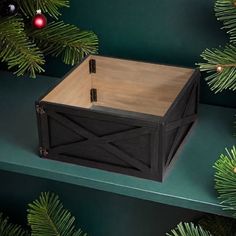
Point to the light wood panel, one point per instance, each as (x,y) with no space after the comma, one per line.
(122,84)
(74,90)
(137,86)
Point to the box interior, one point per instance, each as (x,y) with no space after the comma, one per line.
(122,84)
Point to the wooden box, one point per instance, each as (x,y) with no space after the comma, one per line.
(119,115)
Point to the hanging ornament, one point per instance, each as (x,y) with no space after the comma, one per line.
(9,8)
(39,21)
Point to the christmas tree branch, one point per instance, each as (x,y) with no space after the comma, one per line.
(16,49)
(9,229)
(221,64)
(67,41)
(29,7)
(226,12)
(47,216)
(187,229)
(225,179)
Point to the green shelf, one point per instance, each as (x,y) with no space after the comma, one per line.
(189,183)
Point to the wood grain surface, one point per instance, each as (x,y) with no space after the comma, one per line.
(122,84)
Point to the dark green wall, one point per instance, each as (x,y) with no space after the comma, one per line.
(172,32)
(99,213)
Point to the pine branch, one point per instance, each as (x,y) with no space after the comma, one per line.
(29,7)
(224,59)
(67,41)
(9,229)
(79,232)
(226,11)
(187,229)
(47,217)
(16,49)
(225,179)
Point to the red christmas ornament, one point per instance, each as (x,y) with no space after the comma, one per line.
(39,21)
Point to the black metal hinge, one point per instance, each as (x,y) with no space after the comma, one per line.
(93,95)
(40,110)
(92,66)
(43,152)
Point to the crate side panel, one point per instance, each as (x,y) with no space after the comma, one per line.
(100,142)
(66,141)
(180,118)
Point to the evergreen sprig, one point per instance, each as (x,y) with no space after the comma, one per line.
(51,7)
(22,47)
(9,229)
(47,217)
(67,41)
(226,79)
(220,63)
(226,12)
(17,50)
(188,229)
(225,179)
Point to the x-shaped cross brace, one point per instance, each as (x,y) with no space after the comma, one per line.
(104,142)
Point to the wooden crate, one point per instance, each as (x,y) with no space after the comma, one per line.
(119,115)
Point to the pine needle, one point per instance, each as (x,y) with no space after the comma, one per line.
(17,50)
(226,12)
(23,47)
(9,229)
(226,79)
(47,217)
(66,41)
(224,58)
(188,229)
(51,7)
(225,179)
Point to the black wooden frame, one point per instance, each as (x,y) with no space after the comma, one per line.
(140,124)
